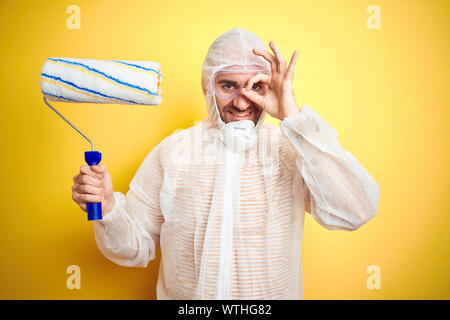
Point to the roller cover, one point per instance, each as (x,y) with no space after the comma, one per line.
(101,81)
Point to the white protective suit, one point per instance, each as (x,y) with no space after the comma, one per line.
(229,220)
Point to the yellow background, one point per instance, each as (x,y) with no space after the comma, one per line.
(385,92)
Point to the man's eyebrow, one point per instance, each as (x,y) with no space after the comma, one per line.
(226,81)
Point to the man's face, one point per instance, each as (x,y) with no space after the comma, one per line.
(238,107)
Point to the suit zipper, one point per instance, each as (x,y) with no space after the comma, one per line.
(229,206)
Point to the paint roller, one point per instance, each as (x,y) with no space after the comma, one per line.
(99,81)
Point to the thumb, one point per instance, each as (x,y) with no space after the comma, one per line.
(256,98)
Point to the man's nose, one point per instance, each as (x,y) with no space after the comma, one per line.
(242,102)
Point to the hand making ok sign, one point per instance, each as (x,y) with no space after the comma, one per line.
(278,100)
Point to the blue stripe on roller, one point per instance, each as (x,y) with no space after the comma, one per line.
(60,97)
(104,74)
(137,66)
(84,89)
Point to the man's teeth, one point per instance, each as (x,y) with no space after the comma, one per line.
(241,114)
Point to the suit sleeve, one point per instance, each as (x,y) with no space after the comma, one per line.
(129,234)
(339,192)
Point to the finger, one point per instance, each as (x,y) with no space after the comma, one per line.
(266,55)
(99,168)
(88,189)
(87,179)
(256,98)
(290,69)
(85,169)
(82,197)
(259,77)
(83,206)
(279,57)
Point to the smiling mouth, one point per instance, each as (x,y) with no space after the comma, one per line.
(241,114)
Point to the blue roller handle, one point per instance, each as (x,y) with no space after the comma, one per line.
(94,209)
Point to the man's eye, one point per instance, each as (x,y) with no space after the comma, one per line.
(257,86)
(228,86)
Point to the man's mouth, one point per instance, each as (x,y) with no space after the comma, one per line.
(242,115)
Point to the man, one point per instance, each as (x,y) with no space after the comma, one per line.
(225,199)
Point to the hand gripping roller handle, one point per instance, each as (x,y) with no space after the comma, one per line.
(92,158)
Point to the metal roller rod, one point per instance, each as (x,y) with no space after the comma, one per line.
(59,114)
